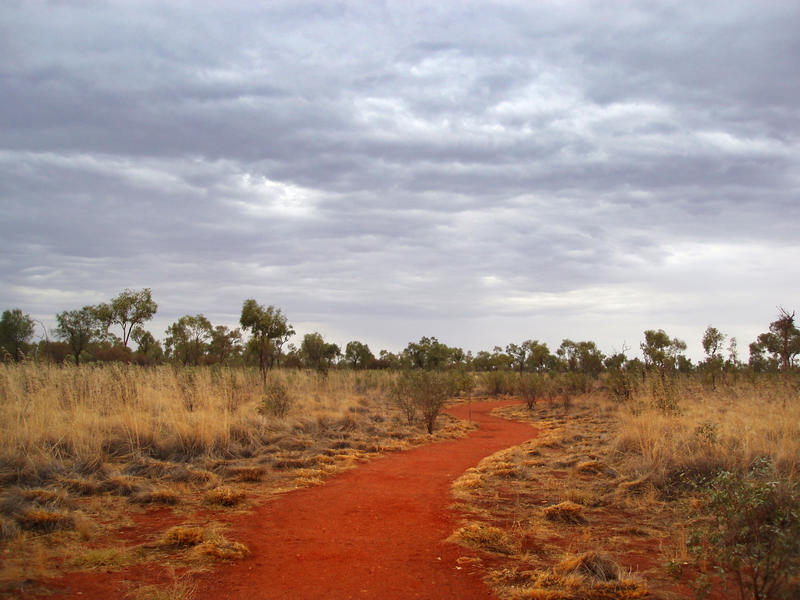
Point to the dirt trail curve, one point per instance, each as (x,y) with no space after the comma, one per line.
(376,531)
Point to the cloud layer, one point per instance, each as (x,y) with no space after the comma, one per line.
(382,171)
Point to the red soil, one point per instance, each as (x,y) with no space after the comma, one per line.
(376,531)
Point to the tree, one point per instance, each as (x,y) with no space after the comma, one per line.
(128,309)
(225,343)
(317,353)
(77,328)
(187,338)
(712,345)
(148,347)
(269,329)
(358,355)
(661,351)
(529,355)
(16,331)
(782,340)
(583,357)
(429,353)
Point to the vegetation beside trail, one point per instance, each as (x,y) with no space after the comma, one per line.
(629,498)
(83,450)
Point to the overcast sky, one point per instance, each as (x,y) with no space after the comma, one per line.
(480,172)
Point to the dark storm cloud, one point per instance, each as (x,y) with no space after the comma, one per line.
(405,165)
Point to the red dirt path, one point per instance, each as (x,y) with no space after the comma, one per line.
(376,531)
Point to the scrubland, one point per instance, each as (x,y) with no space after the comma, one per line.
(83,451)
(642,497)
(622,495)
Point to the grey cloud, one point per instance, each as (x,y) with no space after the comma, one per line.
(407,161)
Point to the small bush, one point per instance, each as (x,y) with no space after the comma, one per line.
(751,531)
(498,383)
(276,401)
(531,387)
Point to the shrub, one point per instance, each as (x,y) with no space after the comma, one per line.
(531,387)
(426,391)
(498,383)
(276,400)
(751,533)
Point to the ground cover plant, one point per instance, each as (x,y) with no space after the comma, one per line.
(631,496)
(105,467)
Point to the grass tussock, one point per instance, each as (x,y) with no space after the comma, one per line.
(565,512)
(225,496)
(486,538)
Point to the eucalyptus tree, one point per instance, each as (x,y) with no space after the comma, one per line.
(358,355)
(712,342)
(782,340)
(269,330)
(317,353)
(16,331)
(78,328)
(129,309)
(661,351)
(187,338)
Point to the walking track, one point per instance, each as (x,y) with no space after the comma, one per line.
(374,532)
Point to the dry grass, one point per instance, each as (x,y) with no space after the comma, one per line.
(565,512)
(74,441)
(609,484)
(487,538)
(727,428)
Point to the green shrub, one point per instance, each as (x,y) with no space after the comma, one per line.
(423,391)
(531,387)
(750,535)
(498,382)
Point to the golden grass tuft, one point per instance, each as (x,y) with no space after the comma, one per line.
(486,538)
(40,519)
(565,512)
(225,496)
(591,565)
(220,548)
(182,536)
(247,474)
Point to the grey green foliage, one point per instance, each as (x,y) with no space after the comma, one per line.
(16,331)
(422,392)
(750,535)
(78,328)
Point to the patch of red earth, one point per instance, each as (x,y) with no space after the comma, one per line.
(376,531)
(148,524)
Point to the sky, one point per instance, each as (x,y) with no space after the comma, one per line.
(480,172)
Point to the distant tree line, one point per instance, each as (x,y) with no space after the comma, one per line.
(104,332)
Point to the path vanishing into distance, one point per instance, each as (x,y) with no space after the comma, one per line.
(376,531)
